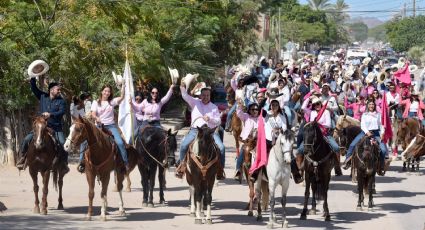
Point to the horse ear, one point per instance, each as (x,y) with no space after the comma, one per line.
(174,133)
(169,132)
(211,131)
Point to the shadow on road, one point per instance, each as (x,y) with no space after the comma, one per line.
(37,222)
(399,207)
(341,186)
(398,193)
(389,179)
(150,216)
(96,210)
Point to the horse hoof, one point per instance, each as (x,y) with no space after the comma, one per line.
(250,213)
(60,207)
(209,221)
(121,213)
(312,212)
(270,225)
(259,217)
(103,218)
(370,209)
(128,189)
(150,205)
(36,210)
(198,221)
(162,201)
(328,218)
(144,204)
(285,224)
(192,214)
(359,209)
(303,217)
(88,218)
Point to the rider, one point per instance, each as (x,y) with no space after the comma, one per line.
(203,112)
(102,112)
(52,107)
(237,85)
(250,122)
(372,127)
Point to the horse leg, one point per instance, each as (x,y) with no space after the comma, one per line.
(128,188)
(251,197)
(360,191)
(143,174)
(237,146)
(90,181)
(370,187)
(208,198)
(198,201)
(120,179)
(46,177)
(258,195)
(192,201)
(313,198)
(161,179)
(272,188)
(152,178)
(103,193)
(325,203)
(285,186)
(60,184)
(34,177)
(306,196)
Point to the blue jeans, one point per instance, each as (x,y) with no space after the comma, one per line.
(229,116)
(28,138)
(288,113)
(83,147)
(118,140)
(193,132)
(330,140)
(239,161)
(356,140)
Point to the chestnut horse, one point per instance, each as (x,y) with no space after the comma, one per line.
(203,158)
(101,157)
(236,123)
(41,152)
(415,150)
(407,130)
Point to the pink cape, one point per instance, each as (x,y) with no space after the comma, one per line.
(385,120)
(261,159)
(403,74)
(319,115)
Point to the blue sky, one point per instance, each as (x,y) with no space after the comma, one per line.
(381,5)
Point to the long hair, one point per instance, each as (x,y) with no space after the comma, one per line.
(158,97)
(275,101)
(111,95)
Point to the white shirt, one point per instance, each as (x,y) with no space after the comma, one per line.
(324,120)
(371,121)
(391,98)
(199,110)
(286,96)
(414,106)
(105,111)
(274,122)
(75,112)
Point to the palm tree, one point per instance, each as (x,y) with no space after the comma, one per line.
(340,7)
(320,4)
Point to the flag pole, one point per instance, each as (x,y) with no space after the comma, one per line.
(131,110)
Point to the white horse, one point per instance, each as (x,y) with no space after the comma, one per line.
(279,172)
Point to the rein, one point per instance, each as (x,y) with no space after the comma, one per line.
(203,168)
(164,165)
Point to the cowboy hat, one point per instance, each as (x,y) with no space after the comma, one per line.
(316,78)
(326,84)
(117,78)
(366,61)
(37,68)
(370,77)
(188,79)
(413,68)
(346,86)
(274,76)
(401,62)
(174,73)
(349,73)
(273,93)
(394,66)
(201,85)
(315,100)
(382,76)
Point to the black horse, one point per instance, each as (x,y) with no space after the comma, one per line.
(366,162)
(154,145)
(318,163)
(345,136)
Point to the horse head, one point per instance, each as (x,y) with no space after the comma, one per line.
(171,142)
(205,141)
(39,126)
(286,140)
(312,136)
(77,134)
(368,154)
(416,146)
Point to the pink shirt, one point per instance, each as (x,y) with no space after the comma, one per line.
(250,123)
(199,110)
(137,108)
(105,111)
(358,109)
(152,111)
(324,120)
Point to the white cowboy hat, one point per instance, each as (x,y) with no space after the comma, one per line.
(401,62)
(37,68)
(117,78)
(366,61)
(304,65)
(188,79)
(316,78)
(174,73)
(198,90)
(349,73)
(273,93)
(413,68)
(315,100)
(273,76)
(370,77)
(326,84)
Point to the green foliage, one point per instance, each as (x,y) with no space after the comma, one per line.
(378,33)
(406,33)
(416,53)
(359,31)
(84,40)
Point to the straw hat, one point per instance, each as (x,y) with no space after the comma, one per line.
(274,76)
(401,62)
(370,77)
(366,61)
(315,100)
(316,78)
(273,93)
(413,68)
(37,68)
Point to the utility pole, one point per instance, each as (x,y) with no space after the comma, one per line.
(404,11)
(414,8)
(280,35)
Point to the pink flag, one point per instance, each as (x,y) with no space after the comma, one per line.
(319,115)
(403,74)
(385,120)
(261,159)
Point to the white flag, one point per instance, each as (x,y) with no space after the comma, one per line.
(126,119)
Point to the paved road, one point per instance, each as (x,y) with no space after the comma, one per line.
(400,204)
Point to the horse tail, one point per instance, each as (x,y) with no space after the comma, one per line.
(321,189)
(55,179)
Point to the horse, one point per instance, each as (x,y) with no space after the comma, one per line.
(407,130)
(153,146)
(202,166)
(345,136)
(41,153)
(318,163)
(279,172)
(366,162)
(415,150)
(345,121)
(236,123)
(101,157)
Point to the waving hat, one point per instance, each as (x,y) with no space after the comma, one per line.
(37,68)
(117,78)
(174,73)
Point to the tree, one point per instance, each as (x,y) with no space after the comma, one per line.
(319,4)
(406,33)
(358,30)
(416,53)
(378,33)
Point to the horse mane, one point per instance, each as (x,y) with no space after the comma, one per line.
(206,144)
(98,134)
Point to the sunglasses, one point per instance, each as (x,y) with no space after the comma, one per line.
(254,109)
(154,92)
(138,98)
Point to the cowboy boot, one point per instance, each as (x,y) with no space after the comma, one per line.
(295,172)
(347,163)
(299,160)
(337,167)
(220,171)
(21,164)
(81,167)
(181,169)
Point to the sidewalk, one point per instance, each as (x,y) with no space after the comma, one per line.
(173,119)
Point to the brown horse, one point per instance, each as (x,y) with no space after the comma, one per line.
(41,152)
(203,159)
(101,157)
(236,123)
(407,130)
(415,150)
